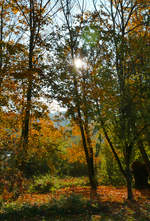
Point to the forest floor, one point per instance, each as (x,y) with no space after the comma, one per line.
(109,197)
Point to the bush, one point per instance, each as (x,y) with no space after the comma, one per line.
(47,183)
(42,184)
(70,181)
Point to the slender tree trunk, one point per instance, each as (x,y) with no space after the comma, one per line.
(25,129)
(89,158)
(91,155)
(128,172)
(120,66)
(111,144)
(87,148)
(90,165)
(87,132)
(85,140)
(129,187)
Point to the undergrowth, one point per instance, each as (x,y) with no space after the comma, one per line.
(72,204)
(47,183)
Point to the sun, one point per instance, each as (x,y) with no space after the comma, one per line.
(78,63)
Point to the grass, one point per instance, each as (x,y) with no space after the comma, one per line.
(47,183)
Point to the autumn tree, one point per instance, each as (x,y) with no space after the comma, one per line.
(124,118)
(34,16)
(21,69)
(68,86)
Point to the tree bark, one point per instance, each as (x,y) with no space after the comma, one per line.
(128,172)
(89,159)
(25,128)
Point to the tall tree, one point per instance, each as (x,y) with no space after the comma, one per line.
(71,79)
(119,14)
(35,15)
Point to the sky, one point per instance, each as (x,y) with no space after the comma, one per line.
(55,107)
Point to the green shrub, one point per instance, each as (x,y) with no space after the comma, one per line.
(47,183)
(70,181)
(42,184)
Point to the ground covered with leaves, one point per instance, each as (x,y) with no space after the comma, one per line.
(76,202)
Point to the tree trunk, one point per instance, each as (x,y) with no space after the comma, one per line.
(129,186)
(25,128)
(128,171)
(87,150)
(113,149)
(89,142)
(89,158)
(129,181)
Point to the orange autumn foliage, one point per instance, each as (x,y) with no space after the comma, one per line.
(75,151)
